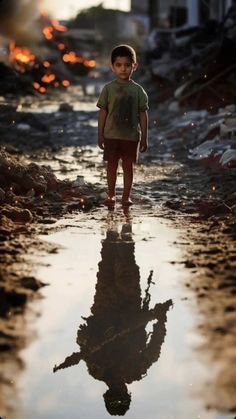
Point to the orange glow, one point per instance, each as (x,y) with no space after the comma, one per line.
(61,46)
(42,89)
(48,78)
(20,56)
(65,83)
(47,31)
(36,85)
(46,64)
(89,63)
(70,57)
(56,25)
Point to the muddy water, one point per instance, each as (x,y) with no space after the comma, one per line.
(117,271)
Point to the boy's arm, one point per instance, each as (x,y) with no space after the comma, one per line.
(143,120)
(73,359)
(102,115)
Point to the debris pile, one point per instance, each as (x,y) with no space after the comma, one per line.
(31,192)
(197,65)
(221,149)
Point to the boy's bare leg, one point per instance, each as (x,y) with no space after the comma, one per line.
(112,166)
(128,172)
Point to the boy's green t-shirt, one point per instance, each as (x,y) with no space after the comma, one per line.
(123,102)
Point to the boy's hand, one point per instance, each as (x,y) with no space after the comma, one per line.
(143,146)
(101,142)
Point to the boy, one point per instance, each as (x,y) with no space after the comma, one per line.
(122,121)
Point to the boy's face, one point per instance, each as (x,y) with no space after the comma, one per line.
(123,68)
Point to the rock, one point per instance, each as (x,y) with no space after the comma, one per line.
(228,159)
(65,107)
(18,215)
(31,283)
(78,182)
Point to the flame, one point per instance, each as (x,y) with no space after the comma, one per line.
(21,56)
(89,63)
(61,46)
(57,26)
(46,64)
(65,83)
(36,85)
(48,78)
(72,57)
(23,60)
(47,31)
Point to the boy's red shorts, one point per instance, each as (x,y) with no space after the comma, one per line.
(120,149)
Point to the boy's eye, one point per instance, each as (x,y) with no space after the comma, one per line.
(125,65)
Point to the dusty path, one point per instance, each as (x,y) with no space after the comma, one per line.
(196,199)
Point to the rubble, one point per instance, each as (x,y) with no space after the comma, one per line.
(196,65)
(221,149)
(26,188)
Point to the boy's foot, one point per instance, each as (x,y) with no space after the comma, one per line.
(110,201)
(126,202)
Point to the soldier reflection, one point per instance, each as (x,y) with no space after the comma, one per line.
(113,341)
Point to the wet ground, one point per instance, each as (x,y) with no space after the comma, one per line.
(144,299)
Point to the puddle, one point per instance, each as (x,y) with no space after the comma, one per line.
(133,341)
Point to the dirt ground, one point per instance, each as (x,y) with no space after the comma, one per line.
(198,198)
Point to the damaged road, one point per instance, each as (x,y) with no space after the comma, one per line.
(50,167)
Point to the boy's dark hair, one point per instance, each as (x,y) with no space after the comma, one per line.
(123,51)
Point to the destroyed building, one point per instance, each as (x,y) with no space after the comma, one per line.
(190,50)
(172,13)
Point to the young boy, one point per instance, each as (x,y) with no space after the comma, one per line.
(122,121)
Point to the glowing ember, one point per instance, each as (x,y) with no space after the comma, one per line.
(56,25)
(61,46)
(46,64)
(72,57)
(48,78)
(36,85)
(21,56)
(65,83)
(47,31)
(89,63)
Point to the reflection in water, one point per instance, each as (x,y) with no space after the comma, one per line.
(113,341)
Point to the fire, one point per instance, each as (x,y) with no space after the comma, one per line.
(65,83)
(89,63)
(24,60)
(61,46)
(72,57)
(56,25)
(48,78)
(36,85)
(21,57)
(46,64)
(47,31)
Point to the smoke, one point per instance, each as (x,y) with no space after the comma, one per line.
(18,21)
